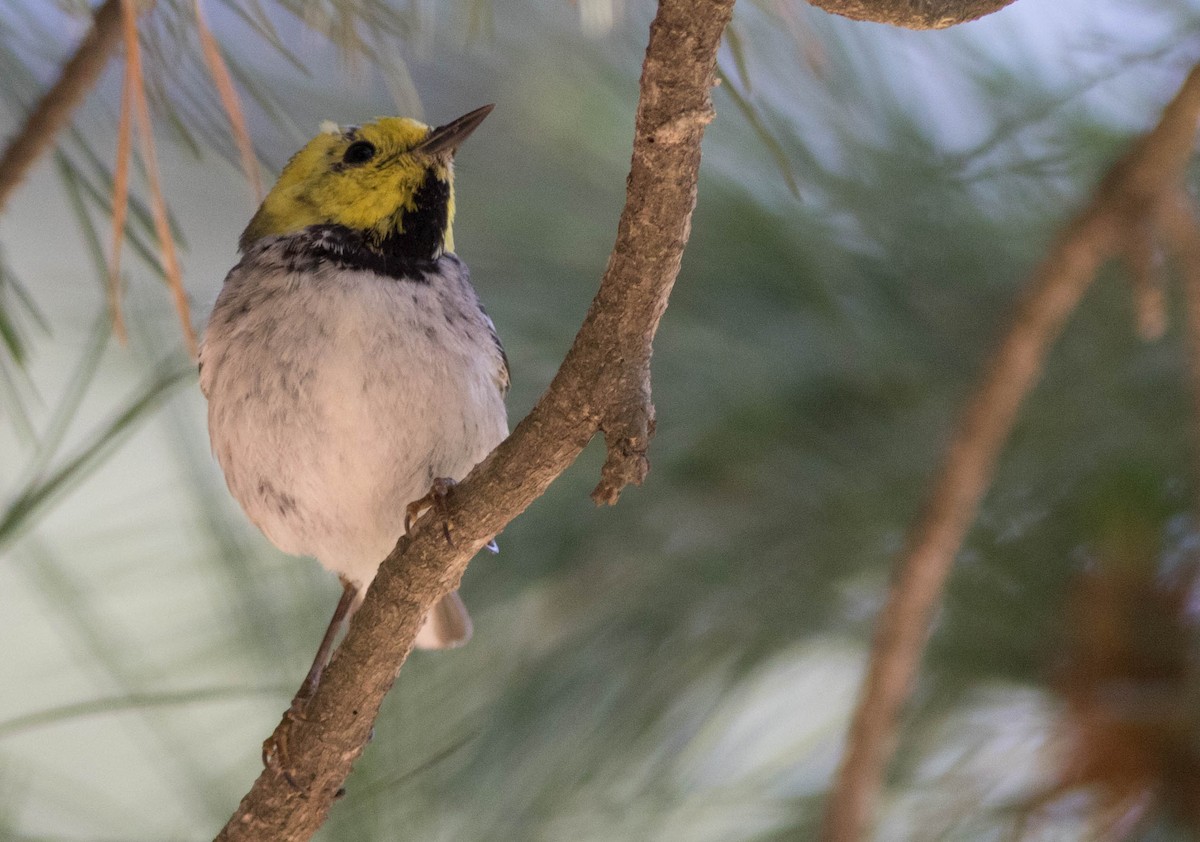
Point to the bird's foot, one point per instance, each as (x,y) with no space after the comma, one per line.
(436,500)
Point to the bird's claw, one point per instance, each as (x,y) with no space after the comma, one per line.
(436,500)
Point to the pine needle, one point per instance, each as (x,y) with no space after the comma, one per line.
(230,99)
(754,118)
(120,192)
(158,205)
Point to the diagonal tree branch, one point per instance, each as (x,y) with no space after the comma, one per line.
(1181,231)
(603,384)
(1130,197)
(56,106)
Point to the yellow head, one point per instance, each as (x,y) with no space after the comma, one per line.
(390,181)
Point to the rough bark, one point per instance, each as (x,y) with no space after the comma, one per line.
(913,14)
(602,385)
(1131,197)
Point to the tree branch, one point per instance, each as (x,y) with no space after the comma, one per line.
(54,110)
(1131,194)
(1181,230)
(602,384)
(913,14)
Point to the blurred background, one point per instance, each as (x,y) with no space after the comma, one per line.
(680,668)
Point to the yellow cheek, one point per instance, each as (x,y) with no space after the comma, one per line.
(369,199)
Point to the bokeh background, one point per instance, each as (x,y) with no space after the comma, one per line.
(680,668)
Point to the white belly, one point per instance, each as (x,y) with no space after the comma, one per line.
(334,402)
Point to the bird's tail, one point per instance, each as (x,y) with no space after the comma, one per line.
(448,624)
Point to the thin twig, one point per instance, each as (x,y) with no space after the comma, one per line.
(54,110)
(1128,195)
(158,202)
(603,382)
(120,190)
(229,99)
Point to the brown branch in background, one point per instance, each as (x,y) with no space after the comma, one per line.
(114,20)
(1181,229)
(230,100)
(603,384)
(54,110)
(1129,196)
(913,14)
(158,203)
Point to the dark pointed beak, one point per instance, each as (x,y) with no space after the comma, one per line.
(449,137)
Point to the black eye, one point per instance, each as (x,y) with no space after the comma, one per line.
(359,152)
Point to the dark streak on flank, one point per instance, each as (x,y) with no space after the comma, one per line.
(285,504)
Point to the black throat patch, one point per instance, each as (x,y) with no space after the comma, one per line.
(409,254)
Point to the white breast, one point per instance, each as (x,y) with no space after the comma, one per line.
(336,396)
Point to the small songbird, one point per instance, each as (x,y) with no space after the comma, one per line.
(348,365)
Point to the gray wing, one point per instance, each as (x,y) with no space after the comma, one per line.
(502,377)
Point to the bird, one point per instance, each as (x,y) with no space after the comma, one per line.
(351,373)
